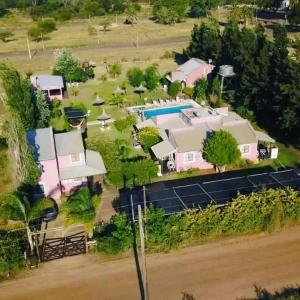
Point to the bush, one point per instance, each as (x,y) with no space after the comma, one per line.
(115,69)
(188,91)
(114,237)
(265,210)
(151,77)
(244,112)
(64,13)
(124,124)
(148,137)
(47,25)
(135,76)
(174,88)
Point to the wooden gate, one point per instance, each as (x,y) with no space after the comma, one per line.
(66,246)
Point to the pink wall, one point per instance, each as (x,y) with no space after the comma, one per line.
(176,75)
(199,73)
(199,162)
(252,155)
(50,179)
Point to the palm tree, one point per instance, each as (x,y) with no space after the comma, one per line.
(15,208)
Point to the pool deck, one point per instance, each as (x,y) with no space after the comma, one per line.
(160,104)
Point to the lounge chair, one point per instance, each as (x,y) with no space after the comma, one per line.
(168,101)
(155,102)
(162,102)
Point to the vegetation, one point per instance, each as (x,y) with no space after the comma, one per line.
(17,208)
(151,77)
(69,67)
(200,89)
(135,76)
(43,110)
(81,208)
(148,137)
(174,89)
(5,34)
(115,69)
(12,247)
(266,210)
(170,11)
(221,149)
(266,77)
(123,124)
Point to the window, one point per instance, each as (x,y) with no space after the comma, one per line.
(75,157)
(245,149)
(189,157)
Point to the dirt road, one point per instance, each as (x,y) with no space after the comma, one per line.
(221,270)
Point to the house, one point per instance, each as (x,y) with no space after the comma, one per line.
(191,71)
(52,86)
(183,136)
(64,163)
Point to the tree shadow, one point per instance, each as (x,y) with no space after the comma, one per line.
(289,292)
(180,58)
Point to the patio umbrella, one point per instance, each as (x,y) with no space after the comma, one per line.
(103,117)
(140,90)
(98,101)
(118,91)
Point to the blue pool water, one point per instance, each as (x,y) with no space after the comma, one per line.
(149,113)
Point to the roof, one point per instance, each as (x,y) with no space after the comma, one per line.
(242,132)
(163,149)
(68,143)
(230,117)
(190,139)
(191,65)
(43,143)
(174,123)
(262,136)
(94,166)
(49,80)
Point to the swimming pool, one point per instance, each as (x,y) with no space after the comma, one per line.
(149,113)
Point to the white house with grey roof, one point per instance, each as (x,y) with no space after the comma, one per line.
(51,85)
(191,71)
(64,163)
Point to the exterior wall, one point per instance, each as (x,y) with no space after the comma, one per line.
(52,97)
(176,75)
(64,161)
(252,155)
(69,185)
(201,72)
(49,178)
(199,162)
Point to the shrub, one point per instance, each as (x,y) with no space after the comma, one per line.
(244,112)
(124,124)
(151,77)
(188,91)
(174,88)
(114,237)
(5,34)
(115,69)
(148,137)
(135,76)
(47,25)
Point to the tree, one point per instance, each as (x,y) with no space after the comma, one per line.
(115,69)
(68,66)
(294,16)
(46,25)
(151,77)
(81,208)
(148,137)
(174,89)
(123,148)
(91,8)
(131,11)
(35,33)
(135,76)
(221,149)
(200,8)
(12,207)
(170,11)
(43,113)
(200,89)
(5,34)
(18,95)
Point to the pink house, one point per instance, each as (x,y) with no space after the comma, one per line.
(183,136)
(64,163)
(191,71)
(52,86)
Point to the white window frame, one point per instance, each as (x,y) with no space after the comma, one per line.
(186,157)
(243,147)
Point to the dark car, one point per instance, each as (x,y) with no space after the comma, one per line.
(49,214)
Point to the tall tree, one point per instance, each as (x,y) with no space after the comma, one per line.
(18,96)
(43,113)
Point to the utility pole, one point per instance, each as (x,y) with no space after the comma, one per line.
(144,265)
(145,208)
(28,47)
(137,40)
